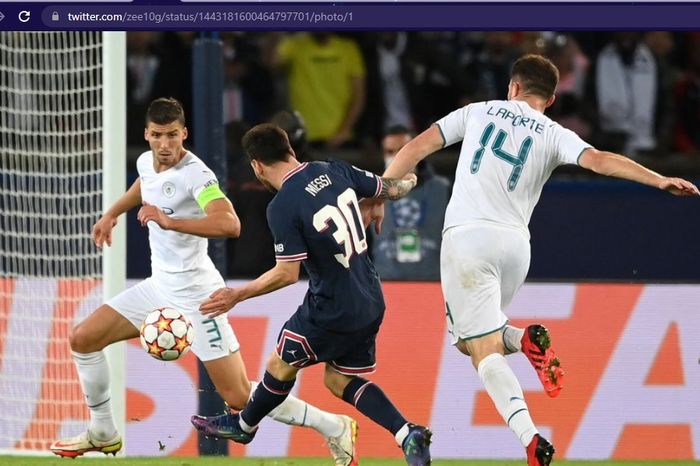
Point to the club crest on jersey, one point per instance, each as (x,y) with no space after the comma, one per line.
(168,189)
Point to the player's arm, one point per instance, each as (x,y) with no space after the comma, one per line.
(619,166)
(220,220)
(416,150)
(393,188)
(284,273)
(405,161)
(102,230)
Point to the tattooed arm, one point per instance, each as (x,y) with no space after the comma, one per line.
(393,188)
(372,209)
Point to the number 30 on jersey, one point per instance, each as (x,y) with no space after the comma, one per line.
(347,219)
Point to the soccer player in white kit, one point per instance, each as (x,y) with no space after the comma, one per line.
(509,150)
(181,205)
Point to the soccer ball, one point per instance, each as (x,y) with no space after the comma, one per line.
(166,334)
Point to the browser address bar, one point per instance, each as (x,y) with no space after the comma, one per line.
(125,17)
(367,16)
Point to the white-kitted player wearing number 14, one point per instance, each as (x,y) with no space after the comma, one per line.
(182,206)
(509,149)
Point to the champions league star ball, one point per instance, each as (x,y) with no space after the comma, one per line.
(166,334)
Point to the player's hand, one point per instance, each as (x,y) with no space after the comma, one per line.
(102,231)
(149,212)
(679,187)
(372,210)
(220,302)
(412,178)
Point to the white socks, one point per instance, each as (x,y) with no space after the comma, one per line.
(401,435)
(93,372)
(296,412)
(511,339)
(505,391)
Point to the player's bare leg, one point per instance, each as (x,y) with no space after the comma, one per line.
(100,329)
(487,353)
(230,379)
(87,340)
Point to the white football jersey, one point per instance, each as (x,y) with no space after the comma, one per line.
(508,152)
(179,261)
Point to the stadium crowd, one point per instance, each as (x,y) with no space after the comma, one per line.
(636,93)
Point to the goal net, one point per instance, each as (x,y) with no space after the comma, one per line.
(50,196)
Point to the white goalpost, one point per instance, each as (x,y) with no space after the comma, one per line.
(114,185)
(62,158)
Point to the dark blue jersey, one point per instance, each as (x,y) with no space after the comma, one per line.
(315,218)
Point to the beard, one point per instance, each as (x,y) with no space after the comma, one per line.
(267,184)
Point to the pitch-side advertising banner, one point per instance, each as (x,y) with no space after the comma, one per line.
(630,353)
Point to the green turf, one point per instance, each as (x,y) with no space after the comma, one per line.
(167,461)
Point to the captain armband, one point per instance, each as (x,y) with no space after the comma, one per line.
(208,194)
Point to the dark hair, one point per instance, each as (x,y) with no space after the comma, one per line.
(165,110)
(293,123)
(398,130)
(266,143)
(536,74)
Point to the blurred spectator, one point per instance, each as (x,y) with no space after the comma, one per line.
(326,81)
(573,67)
(687,97)
(252,253)
(249,92)
(409,246)
(534,42)
(174,77)
(142,65)
(661,44)
(488,75)
(390,83)
(565,53)
(627,96)
(293,123)
(158,65)
(438,84)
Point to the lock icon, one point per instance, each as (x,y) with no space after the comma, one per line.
(54,16)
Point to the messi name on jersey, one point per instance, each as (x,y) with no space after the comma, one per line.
(317,184)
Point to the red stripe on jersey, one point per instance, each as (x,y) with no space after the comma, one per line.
(380,185)
(293,171)
(353,370)
(291,258)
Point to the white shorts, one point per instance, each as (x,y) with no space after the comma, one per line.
(481,268)
(213,338)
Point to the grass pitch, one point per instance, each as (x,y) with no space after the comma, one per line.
(207,461)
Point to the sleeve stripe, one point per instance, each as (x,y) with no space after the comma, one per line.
(380,185)
(291,258)
(444,139)
(578,159)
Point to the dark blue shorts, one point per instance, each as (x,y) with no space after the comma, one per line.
(302,344)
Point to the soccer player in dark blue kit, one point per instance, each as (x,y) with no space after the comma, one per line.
(315,218)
